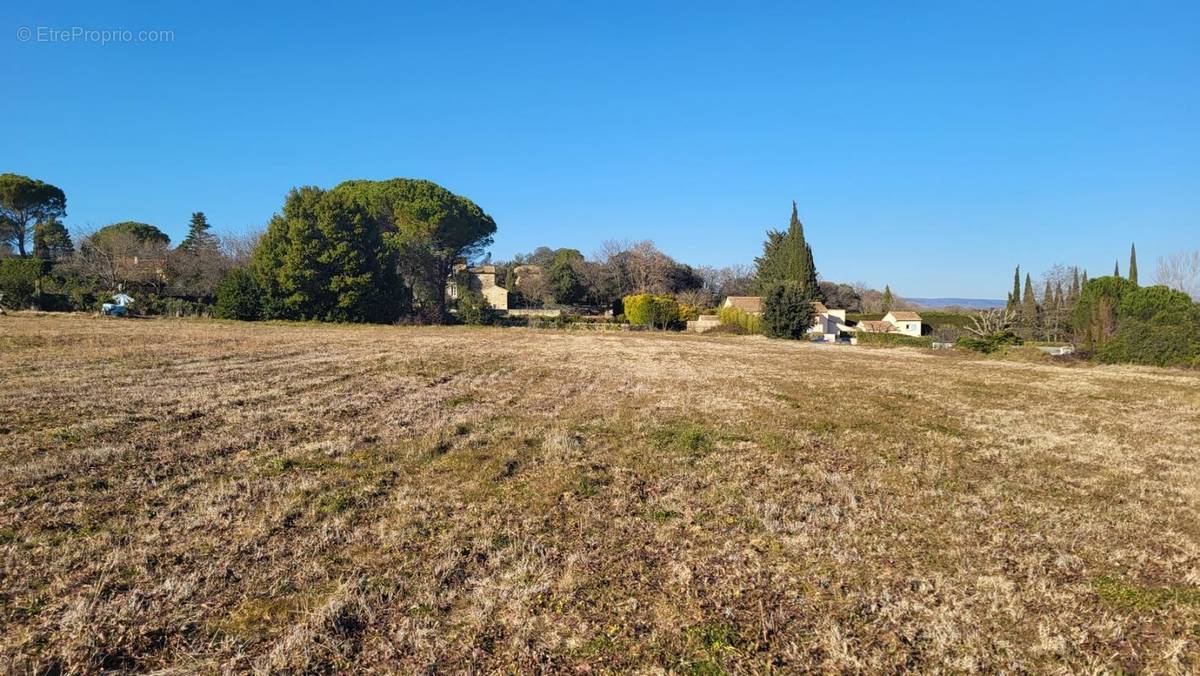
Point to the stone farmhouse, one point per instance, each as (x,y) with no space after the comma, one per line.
(481,278)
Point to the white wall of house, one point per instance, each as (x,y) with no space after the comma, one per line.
(828,324)
(909,327)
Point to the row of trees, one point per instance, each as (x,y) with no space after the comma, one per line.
(44,266)
(364,251)
(1048,314)
(1111,317)
(549,277)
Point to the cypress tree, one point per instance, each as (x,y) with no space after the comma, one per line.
(1074,292)
(1029,308)
(1082,283)
(787,257)
(1053,316)
(1116,268)
(1133,263)
(1048,309)
(887,300)
(1014,296)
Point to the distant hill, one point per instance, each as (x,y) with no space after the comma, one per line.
(977,303)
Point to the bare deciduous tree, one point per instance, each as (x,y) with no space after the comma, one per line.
(119,258)
(238,247)
(990,322)
(1180,271)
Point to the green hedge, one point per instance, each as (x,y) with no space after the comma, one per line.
(732,316)
(239,296)
(644,309)
(1137,342)
(989,344)
(893,340)
(19,279)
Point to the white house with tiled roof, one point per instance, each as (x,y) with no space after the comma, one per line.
(828,323)
(908,323)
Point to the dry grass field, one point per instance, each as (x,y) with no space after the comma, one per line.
(207,496)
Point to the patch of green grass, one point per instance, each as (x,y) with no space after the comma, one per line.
(714,636)
(664,515)
(7,535)
(686,437)
(703,668)
(459,400)
(1128,596)
(67,435)
(588,486)
(712,640)
(336,502)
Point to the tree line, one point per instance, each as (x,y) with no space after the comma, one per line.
(1111,318)
(363,251)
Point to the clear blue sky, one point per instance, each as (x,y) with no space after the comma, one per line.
(930,146)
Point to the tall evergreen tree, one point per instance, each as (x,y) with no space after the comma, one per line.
(198,236)
(1073,294)
(887,300)
(1116,268)
(787,257)
(1082,283)
(1047,309)
(1133,263)
(1029,308)
(1014,296)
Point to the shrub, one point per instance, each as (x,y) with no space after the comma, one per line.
(1155,303)
(1155,326)
(1153,344)
(989,344)
(893,340)
(689,312)
(19,280)
(645,309)
(169,306)
(787,310)
(474,309)
(1095,314)
(239,296)
(740,319)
